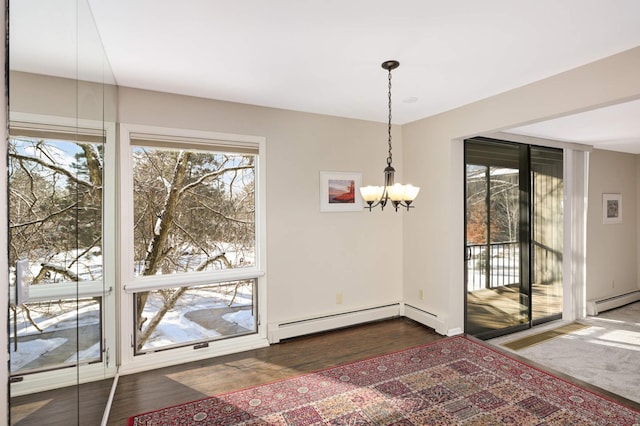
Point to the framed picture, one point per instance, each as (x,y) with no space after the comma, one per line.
(611,208)
(339,192)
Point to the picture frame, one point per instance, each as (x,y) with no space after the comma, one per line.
(339,191)
(611,208)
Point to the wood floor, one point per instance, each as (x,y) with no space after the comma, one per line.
(142,392)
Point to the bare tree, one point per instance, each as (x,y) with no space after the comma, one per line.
(55,209)
(53,205)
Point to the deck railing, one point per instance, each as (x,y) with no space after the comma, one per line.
(497,264)
(492,265)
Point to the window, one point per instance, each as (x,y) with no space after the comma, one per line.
(47,337)
(56,222)
(193,210)
(198,314)
(194,252)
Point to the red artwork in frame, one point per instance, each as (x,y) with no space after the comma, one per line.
(339,191)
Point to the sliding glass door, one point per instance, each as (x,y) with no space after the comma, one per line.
(513,249)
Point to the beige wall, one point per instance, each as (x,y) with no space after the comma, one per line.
(311,256)
(59,97)
(612,249)
(434,235)
(376,258)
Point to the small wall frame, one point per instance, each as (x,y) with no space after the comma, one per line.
(340,191)
(611,208)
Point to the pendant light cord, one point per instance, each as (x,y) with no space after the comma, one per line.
(389,125)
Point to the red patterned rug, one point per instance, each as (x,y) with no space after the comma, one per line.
(452,381)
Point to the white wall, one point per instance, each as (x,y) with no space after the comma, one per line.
(434,233)
(612,249)
(311,256)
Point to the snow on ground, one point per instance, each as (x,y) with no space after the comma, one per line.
(176,327)
(90,353)
(31,350)
(243,318)
(60,316)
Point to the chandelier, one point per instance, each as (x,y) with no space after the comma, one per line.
(399,195)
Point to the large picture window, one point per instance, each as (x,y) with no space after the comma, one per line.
(194,251)
(193,210)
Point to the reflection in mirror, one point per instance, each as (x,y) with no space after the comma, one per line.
(61,156)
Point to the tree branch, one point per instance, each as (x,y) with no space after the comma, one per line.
(52,167)
(46,267)
(214,174)
(171,302)
(44,219)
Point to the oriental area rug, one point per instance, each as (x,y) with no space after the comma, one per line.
(452,381)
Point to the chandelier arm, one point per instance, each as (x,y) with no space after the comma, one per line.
(397,204)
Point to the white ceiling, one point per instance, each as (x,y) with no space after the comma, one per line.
(615,128)
(324,56)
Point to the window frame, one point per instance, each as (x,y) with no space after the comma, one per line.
(130,284)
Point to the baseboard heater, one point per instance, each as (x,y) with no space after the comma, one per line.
(595,306)
(426,318)
(277,332)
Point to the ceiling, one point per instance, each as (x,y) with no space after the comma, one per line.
(324,56)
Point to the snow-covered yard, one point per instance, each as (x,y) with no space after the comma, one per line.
(177,327)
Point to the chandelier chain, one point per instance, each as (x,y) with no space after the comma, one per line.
(389,158)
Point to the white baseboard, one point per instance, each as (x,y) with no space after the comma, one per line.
(279,331)
(595,306)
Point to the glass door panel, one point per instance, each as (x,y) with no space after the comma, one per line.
(494,299)
(547,192)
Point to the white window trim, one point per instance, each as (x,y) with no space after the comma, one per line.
(67,291)
(192,279)
(128,362)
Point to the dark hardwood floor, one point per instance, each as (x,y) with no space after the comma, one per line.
(138,393)
(75,405)
(147,391)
